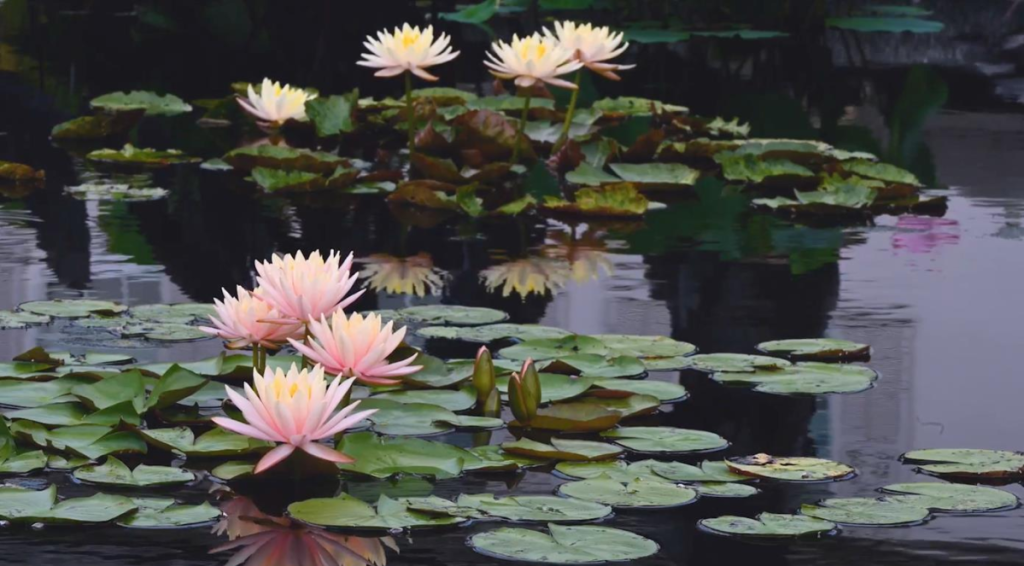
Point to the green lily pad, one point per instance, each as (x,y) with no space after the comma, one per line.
(25,394)
(107,191)
(718,489)
(332,115)
(815,349)
(552,348)
(618,200)
(452,314)
(416,419)
(866,511)
(883,24)
(233,470)
(114,472)
(492,332)
(118,388)
(881,171)
(635,106)
(347,511)
(597,366)
(135,157)
(28,506)
(768,525)
(564,545)
(951,497)
(750,169)
(638,492)
(553,386)
(174,516)
(382,457)
(563,449)
(461,400)
(181,313)
(708,471)
(215,443)
(588,175)
(65,464)
(98,127)
(164,332)
(493,458)
(533,508)
(154,104)
(968,463)
(13,320)
(664,439)
(88,441)
(631,406)
(616,470)
(796,469)
(58,414)
(246,159)
(645,347)
(575,417)
(656,174)
(806,378)
(735,363)
(662,390)
(73,308)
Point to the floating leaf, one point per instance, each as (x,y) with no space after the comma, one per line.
(881,172)
(634,106)
(645,346)
(553,386)
(533,508)
(20,174)
(597,366)
(663,439)
(347,511)
(164,332)
(886,24)
(717,489)
(16,320)
(806,378)
(620,200)
(474,13)
(768,525)
(815,349)
(495,458)
(408,419)
(115,192)
(563,449)
(748,168)
(233,469)
(866,511)
(452,314)
(492,332)
(97,127)
(217,442)
(174,516)
(551,348)
(332,115)
(968,463)
(631,406)
(57,414)
(638,492)
(181,313)
(139,157)
(28,506)
(460,400)
(796,469)
(735,363)
(154,104)
(661,390)
(575,417)
(114,472)
(73,308)
(383,457)
(656,174)
(951,497)
(565,545)
(246,159)
(655,35)
(33,394)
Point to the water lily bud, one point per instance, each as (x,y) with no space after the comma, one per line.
(531,388)
(483,374)
(517,400)
(492,405)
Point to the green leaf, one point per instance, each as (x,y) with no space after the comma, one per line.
(968,463)
(493,332)
(563,449)
(551,348)
(27,506)
(468,201)
(332,115)
(795,469)
(748,168)
(866,511)
(280,180)
(461,400)
(951,497)
(768,525)
(172,516)
(127,386)
(663,439)
(154,104)
(806,378)
(58,414)
(638,492)
(495,458)
(246,159)
(613,201)
(645,346)
(181,313)
(553,387)
(408,419)
(24,463)
(635,106)
(72,308)
(881,172)
(589,175)
(114,472)
(347,511)
(217,442)
(176,384)
(14,320)
(661,390)
(543,508)
(735,363)
(824,349)
(383,457)
(575,417)
(886,24)
(631,406)
(655,35)
(452,314)
(656,174)
(131,156)
(565,545)
(473,14)
(34,394)
(97,127)
(597,366)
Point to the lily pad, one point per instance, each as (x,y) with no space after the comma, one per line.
(968,463)
(552,348)
(174,516)
(748,168)
(553,386)
(28,506)
(644,347)
(951,497)
(491,332)
(631,406)
(823,349)
(25,394)
(619,200)
(452,314)
(284,158)
(73,308)
(662,390)
(806,378)
(154,104)
(718,489)
(575,417)
(796,469)
(652,175)
(664,439)
(138,157)
(460,400)
(881,171)
(114,472)
(635,106)
(88,441)
(215,443)
(492,458)
(638,492)
(15,320)
(866,511)
(382,457)
(564,545)
(597,366)
(715,471)
(884,24)
(162,332)
(768,525)
(181,313)
(735,363)
(233,470)
(347,511)
(533,508)
(563,449)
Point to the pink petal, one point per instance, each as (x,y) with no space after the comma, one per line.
(324,453)
(274,457)
(243,429)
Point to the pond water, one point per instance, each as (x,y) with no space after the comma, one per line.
(938,298)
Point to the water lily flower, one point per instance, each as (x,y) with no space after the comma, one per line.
(407,49)
(592,46)
(527,276)
(295,409)
(358,347)
(241,321)
(302,288)
(532,59)
(275,103)
(403,276)
(524,393)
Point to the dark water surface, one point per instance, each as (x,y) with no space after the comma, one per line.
(939,299)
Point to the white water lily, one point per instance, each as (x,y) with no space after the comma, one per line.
(407,49)
(275,103)
(592,46)
(532,59)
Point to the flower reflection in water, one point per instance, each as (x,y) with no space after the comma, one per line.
(585,254)
(261,540)
(415,275)
(923,234)
(527,276)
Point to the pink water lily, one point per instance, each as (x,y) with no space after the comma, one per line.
(357,346)
(295,409)
(302,287)
(240,321)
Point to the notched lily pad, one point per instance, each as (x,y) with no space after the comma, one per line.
(768,525)
(807,378)
(130,156)
(820,349)
(73,308)
(867,511)
(564,545)
(637,492)
(795,469)
(563,449)
(347,511)
(382,457)
(542,508)
(968,463)
(153,104)
(735,363)
(491,332)
(12,320)
(952,497)
(172,516)
(28,506)
(664,439)
(215,443)
(452,314)
(114,472)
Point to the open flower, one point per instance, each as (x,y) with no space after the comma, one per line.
(407,49)
(403,276)
(354,346)
(531,59)
(526,276)
(295,409)
(592,46)
(275,103)
(301,288)
(240,321)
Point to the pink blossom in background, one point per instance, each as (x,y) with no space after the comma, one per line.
(922,234)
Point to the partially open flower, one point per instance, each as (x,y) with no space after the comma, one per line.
(296,410)
(532,59)
(301,288)
(240,321)
(357,346)
(407,49)
(592,46)
(275,103)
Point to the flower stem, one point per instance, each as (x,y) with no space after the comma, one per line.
(410,115)
(521,127)
(256,358)
(305,340)
(572,109)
